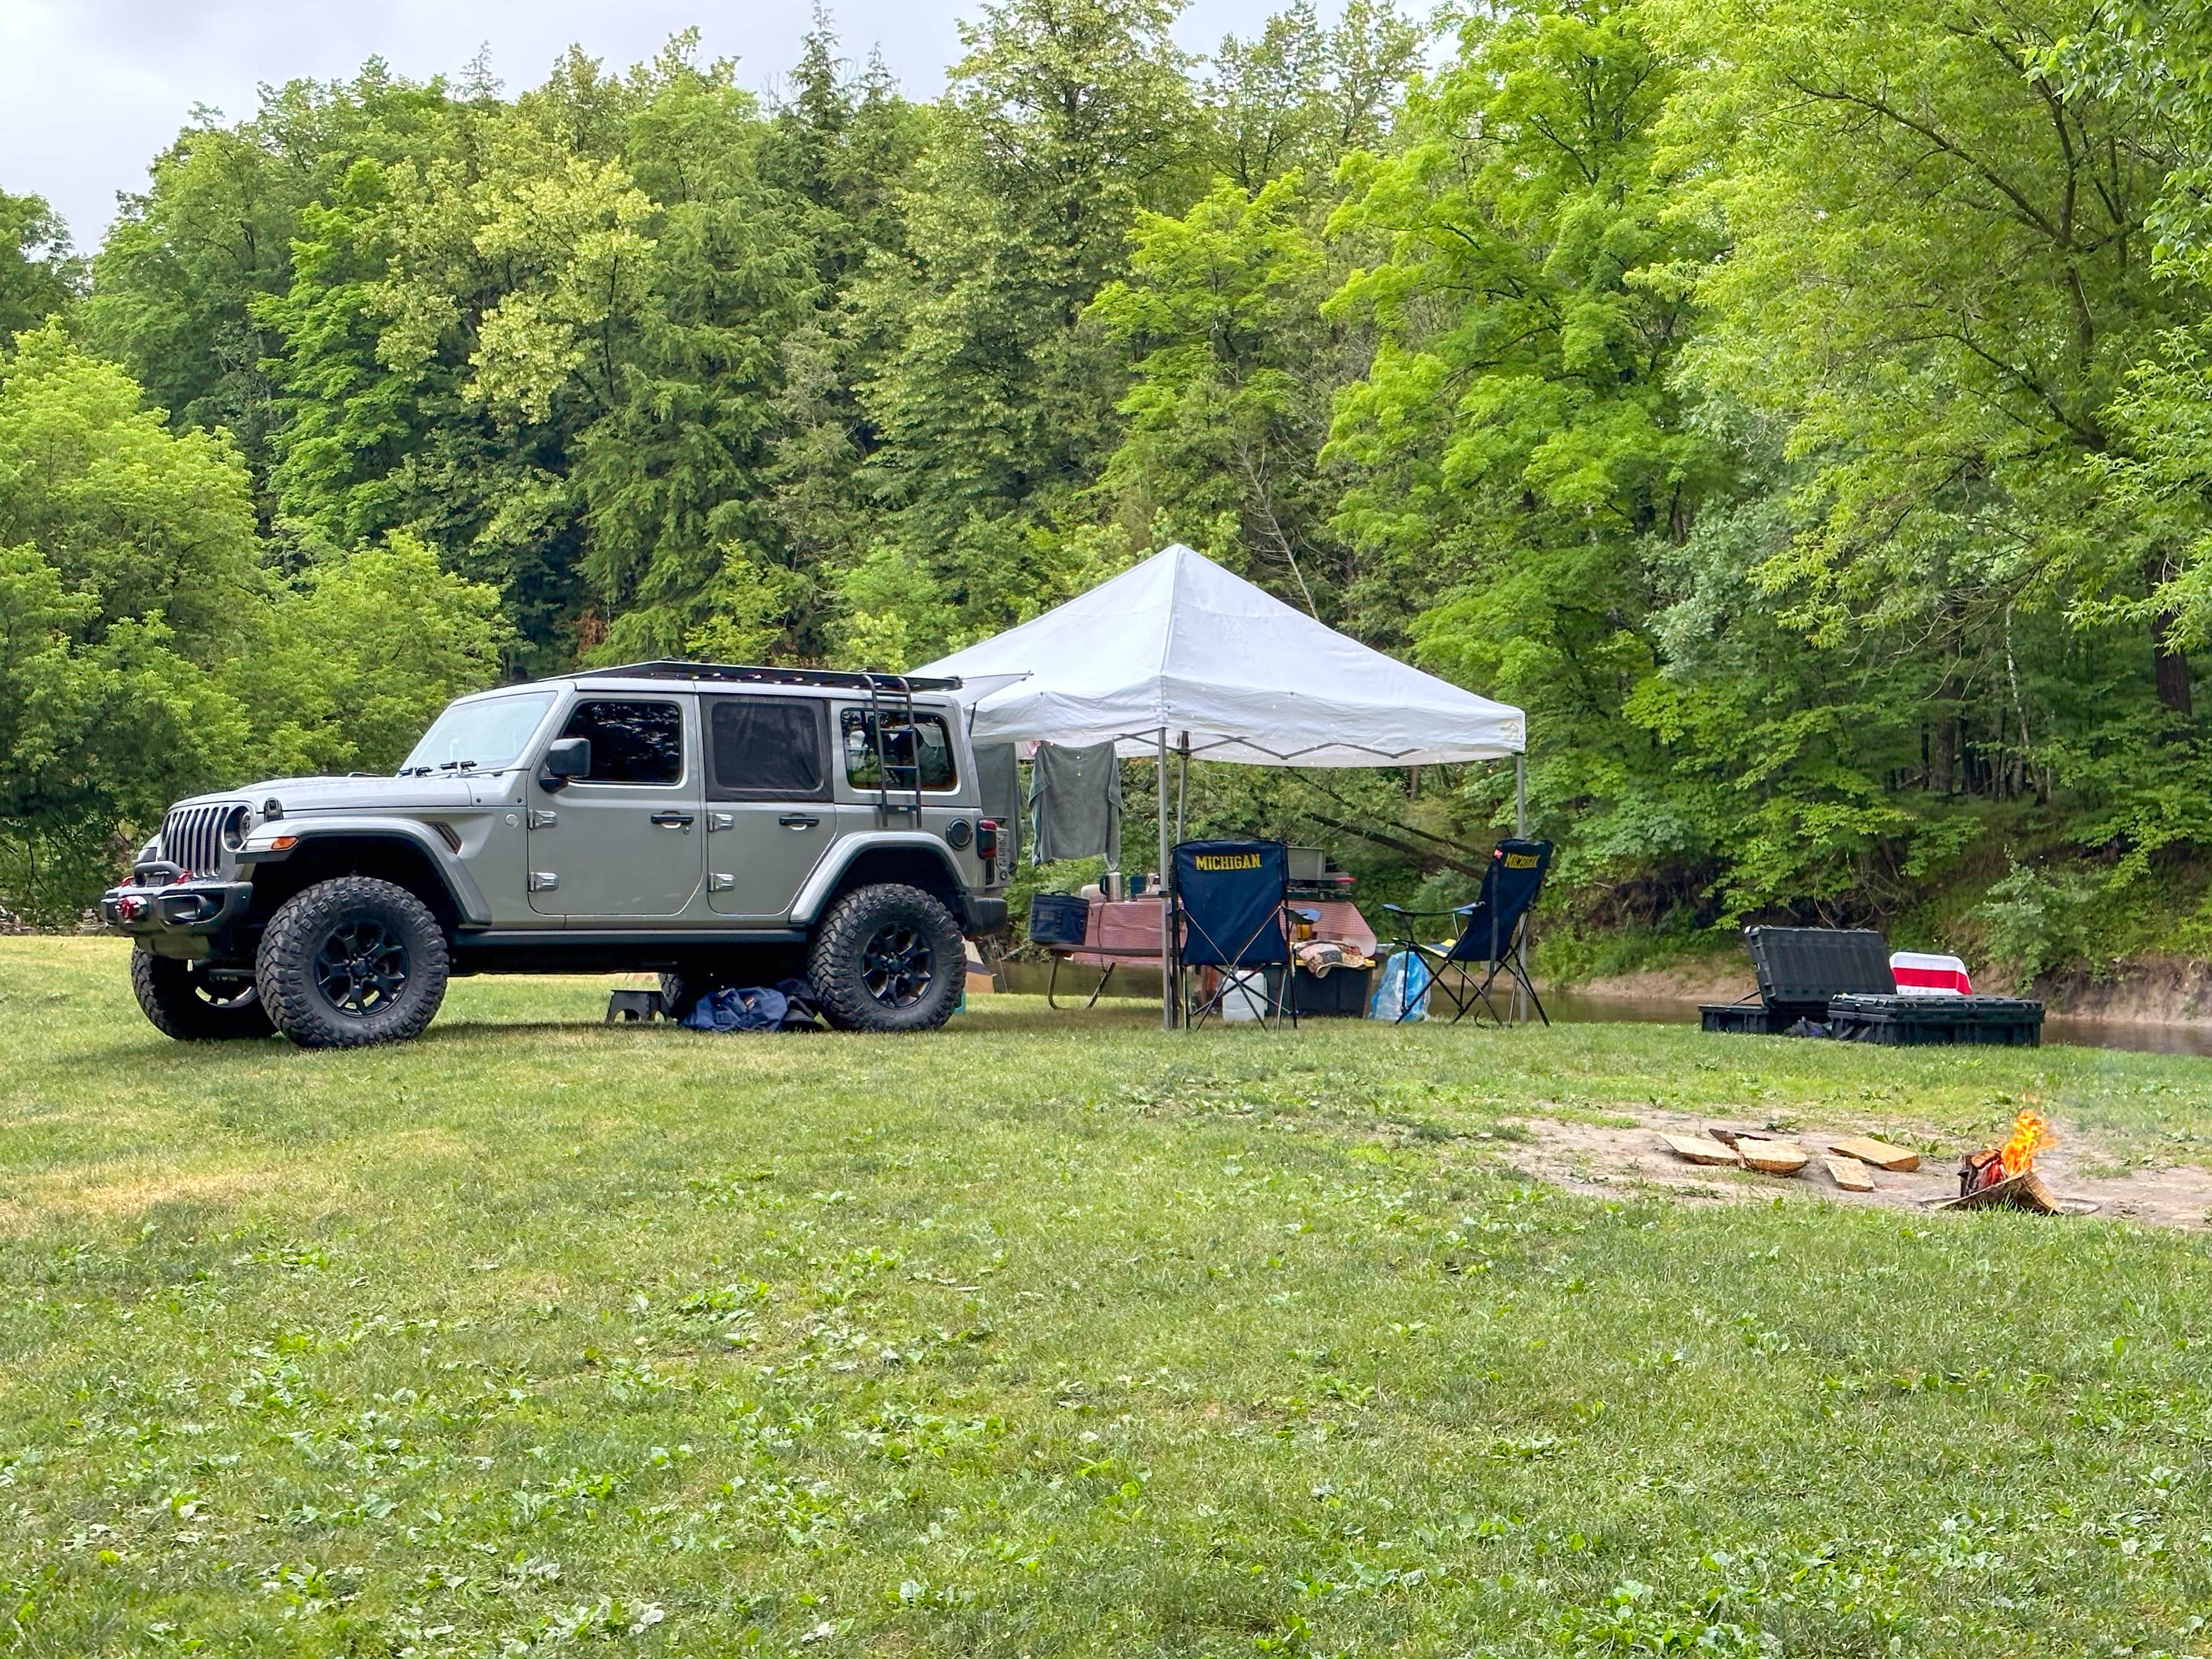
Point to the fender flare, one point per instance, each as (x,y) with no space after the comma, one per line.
(460,887)
(814,896)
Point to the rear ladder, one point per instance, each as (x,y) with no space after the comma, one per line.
(889,698)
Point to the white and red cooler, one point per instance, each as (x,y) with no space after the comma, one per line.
(1918,974)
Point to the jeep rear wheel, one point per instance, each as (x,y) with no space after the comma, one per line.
(351,962)
(187,1004)
(888,958)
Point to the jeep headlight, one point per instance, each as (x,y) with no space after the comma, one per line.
(235,823)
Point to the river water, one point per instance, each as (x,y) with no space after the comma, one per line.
(2148,1036)
(1575,1008)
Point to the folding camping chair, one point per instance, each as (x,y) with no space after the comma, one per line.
(1490,931)
(1229,904)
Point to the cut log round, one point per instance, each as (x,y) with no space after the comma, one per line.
(2024,1191)
(1697,1149)
(1783,1158)
(1880,1153)
(1850,1174)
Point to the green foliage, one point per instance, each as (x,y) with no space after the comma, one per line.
(362,652)
(1524,457)
(175,284)
(1064,120)
(1301,97)
(1229,409)
(147,650)
(39,277)
(2035,922)
(1796,405)
(128,568)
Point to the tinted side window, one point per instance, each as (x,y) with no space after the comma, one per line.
(761,748)
(927,738)
(631,742)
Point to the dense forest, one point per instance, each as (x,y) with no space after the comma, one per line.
(1798,406)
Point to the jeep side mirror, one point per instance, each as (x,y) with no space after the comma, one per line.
(565,758)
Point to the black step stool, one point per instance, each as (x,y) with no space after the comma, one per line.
(633,1007)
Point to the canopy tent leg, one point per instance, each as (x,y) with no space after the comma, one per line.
(1167,905)
(1183,782)
(1521,830)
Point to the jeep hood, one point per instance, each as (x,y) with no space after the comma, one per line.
(305,796)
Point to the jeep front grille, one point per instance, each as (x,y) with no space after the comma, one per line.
(192,838)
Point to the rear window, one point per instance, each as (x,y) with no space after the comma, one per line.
(762,748)
(632,741)
(928,736)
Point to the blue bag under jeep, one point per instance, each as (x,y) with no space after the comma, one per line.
(736,1008)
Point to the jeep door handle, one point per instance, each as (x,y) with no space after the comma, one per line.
(672,820)
(798,821)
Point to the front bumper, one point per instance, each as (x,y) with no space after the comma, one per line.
(179,919)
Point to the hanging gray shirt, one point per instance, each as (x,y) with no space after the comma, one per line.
(1075,804)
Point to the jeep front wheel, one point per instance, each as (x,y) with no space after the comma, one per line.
(351,962)
(888,958)
(193,1008)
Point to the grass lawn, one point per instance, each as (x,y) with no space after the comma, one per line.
(1053,1334)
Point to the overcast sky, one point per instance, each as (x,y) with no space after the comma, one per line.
(91,89)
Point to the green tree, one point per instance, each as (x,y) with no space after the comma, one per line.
(1300,96)
(39,277)
(1523,451)
(1230,406)
(1942,287)
(996,409)
(1941,278)
(359,655)
(174,285)
(128,573)
(847,148)
(550,344)
(149,649)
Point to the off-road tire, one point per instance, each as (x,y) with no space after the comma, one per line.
(841,963)
(184,1005)
(679,989)
(296,977)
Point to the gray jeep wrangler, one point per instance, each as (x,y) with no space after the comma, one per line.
(720,825)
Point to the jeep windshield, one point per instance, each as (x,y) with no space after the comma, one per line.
(482,734)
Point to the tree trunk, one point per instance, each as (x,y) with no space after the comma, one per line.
(2169,663)
(1943,750)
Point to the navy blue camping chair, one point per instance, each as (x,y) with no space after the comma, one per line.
(1229,905)
(1489,933)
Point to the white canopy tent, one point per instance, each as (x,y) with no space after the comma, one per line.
(1180,655)
(1179,645)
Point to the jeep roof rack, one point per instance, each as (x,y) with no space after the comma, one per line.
(750,674)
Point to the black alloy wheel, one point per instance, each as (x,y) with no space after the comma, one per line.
(184,1001)
(887,958)
(351,961)
(362,967)
(897,966)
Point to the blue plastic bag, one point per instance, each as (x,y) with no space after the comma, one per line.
(1402,992)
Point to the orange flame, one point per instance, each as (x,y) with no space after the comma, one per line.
(2031,1134)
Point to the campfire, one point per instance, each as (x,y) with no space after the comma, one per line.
(2006,1175)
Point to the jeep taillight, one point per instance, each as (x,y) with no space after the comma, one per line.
(987,840)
